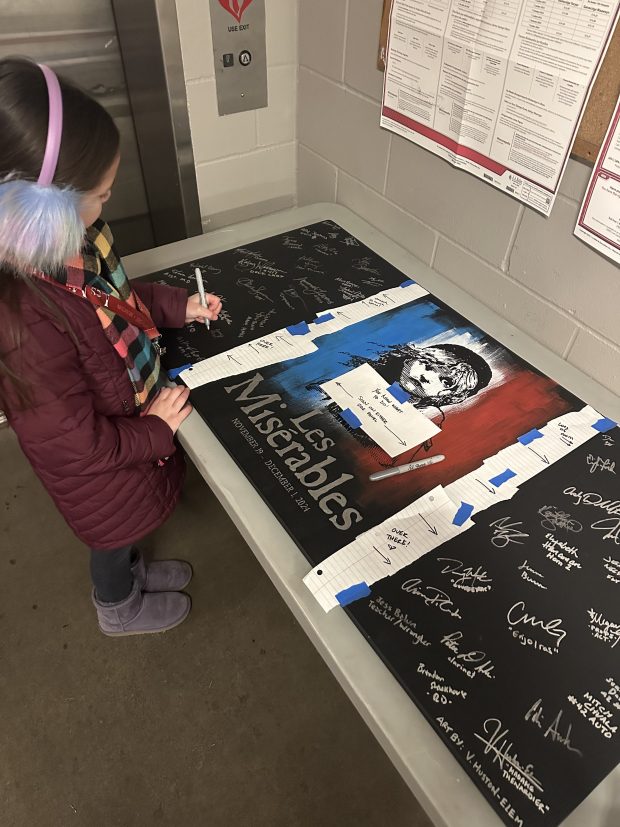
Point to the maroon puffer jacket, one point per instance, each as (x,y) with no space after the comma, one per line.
(95,456)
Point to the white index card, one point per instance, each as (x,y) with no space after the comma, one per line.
(395,426)
(275,347)
(385,549)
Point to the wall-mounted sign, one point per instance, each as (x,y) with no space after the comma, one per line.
(238,33)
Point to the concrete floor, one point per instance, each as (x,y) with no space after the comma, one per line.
(231,719)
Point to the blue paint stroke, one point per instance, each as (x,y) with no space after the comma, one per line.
(407,283)
(463,514)
(355,592)
(324,318)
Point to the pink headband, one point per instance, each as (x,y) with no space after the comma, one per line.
(54,127)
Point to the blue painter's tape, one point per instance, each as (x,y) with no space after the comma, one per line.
(407,283)
(604,424)
(500,479)
(530,436)
(398,392)
(347,596)
(350,418)
(325,318)
(174,372)
(464,513)
(298,329)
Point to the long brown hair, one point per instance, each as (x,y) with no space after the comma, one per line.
(90,142)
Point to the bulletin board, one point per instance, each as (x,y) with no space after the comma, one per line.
(598,112)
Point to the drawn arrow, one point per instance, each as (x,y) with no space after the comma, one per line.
(543,457)
(253,348)
(385,559)
(340,313)
(338,384)
(284,340)
(431,528)
(490,490)
(232,359)
(402,442)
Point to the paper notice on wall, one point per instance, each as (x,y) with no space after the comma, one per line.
(383,412)
(496,87)
(599,218)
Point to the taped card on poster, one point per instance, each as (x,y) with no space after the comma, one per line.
(446,511)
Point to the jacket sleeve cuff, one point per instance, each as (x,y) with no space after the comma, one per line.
(161,436)
(167,305)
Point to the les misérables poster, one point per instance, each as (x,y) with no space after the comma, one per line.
(313,469)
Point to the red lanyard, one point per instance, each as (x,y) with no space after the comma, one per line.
(138,316)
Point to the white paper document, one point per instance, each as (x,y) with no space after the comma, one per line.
(496,87)
(599,218)
(283,345)
(276,347)
(339,317)
(366,402)
(388,547)
(447,511)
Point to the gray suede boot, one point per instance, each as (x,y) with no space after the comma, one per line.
(161,575)
(141,613)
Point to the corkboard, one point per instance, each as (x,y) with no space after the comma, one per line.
(600,106)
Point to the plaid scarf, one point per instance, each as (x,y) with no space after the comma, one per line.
(100,267)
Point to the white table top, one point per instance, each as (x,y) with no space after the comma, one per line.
(438,782)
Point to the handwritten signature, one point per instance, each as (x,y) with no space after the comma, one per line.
(497,742)
(554,518)
(600,464)
(518,615)
(466,578)
(431,596)
(476,658)
(612,526)
(364,264)
(505,532)
(259,293)
(535,715)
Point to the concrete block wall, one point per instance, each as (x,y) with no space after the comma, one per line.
(529,269)
(245,163)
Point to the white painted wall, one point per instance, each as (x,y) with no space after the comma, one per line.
(245,163)
(529,269)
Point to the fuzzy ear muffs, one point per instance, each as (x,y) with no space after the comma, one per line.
(40,227)
(40,224)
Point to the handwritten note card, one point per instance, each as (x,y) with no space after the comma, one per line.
(495,481)
(363,394)
(339,317)
(276,347)
(283,344)
(386,548)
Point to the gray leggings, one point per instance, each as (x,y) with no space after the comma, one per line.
(111,574)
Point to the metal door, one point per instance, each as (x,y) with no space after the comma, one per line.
(79,39)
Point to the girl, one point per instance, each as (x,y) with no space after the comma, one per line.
(80,377)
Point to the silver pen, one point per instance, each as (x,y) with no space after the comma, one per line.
(201,293)
(403,469)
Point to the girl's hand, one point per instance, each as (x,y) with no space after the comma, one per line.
(197,313)
(171,405)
